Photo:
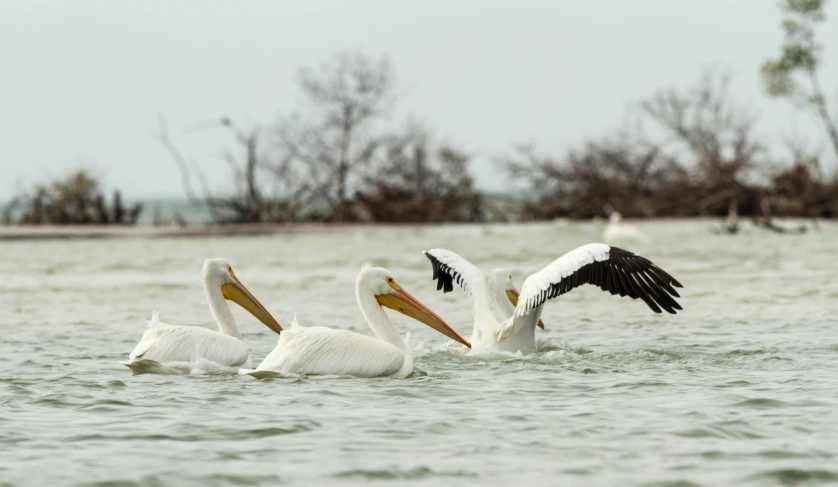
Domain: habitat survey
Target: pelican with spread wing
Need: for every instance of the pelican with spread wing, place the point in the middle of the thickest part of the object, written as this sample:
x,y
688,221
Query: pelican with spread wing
x,y
166,344
498,327
318,350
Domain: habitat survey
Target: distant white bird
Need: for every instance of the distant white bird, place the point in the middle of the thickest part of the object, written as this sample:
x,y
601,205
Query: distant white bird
x,y
612,269
162,344
617,230
326,351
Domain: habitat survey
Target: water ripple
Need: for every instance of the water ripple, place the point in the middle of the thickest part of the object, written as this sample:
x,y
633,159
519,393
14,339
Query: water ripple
x,y
737,389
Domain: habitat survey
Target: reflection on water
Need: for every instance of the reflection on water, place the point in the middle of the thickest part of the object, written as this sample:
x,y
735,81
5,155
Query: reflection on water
x,y
739,388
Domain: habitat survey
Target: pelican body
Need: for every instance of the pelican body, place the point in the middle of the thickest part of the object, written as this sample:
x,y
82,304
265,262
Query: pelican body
x,y
508,325
320,350
164,344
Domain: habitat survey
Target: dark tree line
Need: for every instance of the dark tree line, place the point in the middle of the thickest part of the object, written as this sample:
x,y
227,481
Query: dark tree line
x,y
702,156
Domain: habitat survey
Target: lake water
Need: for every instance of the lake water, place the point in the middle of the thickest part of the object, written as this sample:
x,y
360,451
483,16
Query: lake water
x,y
740,388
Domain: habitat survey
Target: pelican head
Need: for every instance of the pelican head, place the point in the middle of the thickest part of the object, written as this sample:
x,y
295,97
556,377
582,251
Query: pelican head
x,y
502,280
218,274
379,282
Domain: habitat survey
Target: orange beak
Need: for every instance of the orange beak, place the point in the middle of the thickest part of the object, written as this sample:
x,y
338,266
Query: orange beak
x,y
407,305
237,293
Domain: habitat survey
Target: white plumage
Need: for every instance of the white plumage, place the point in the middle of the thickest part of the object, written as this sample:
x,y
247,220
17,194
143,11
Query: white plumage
x,y
318,350
561,268
612,269
170,343
326,351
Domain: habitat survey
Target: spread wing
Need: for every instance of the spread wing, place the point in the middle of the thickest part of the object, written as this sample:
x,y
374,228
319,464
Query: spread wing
x,y
614,270
450,267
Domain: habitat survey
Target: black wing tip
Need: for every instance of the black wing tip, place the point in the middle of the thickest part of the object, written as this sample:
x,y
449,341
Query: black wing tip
x,y
445,281
672,307
651,304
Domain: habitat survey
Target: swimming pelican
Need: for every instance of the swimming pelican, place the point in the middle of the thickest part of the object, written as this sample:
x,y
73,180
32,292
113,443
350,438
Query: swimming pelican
x,y
612,269
617,230
325,351
163,343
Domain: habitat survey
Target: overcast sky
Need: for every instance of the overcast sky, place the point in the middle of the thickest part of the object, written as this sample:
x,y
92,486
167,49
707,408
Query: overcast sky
x,y
83,81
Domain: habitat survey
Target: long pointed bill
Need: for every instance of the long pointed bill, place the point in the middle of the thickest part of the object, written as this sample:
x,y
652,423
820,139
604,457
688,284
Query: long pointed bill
x,y
407,305
237,293
512,294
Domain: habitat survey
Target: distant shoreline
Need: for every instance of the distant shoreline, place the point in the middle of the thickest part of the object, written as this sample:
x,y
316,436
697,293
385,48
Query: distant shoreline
x,y
58,232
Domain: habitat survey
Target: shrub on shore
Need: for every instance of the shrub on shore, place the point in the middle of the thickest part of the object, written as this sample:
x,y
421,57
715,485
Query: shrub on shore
x,y
76,199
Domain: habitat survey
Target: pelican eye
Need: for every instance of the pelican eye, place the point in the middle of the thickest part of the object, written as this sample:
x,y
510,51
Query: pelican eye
x,y
391,282
230,270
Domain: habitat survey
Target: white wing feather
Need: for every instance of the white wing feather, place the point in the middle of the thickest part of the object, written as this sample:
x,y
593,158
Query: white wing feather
x,y
540,282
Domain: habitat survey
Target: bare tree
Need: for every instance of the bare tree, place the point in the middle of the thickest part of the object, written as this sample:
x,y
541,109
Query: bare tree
x,y
336,141
551,190
415,180
704,126
702,155
622,172
251,173
162,136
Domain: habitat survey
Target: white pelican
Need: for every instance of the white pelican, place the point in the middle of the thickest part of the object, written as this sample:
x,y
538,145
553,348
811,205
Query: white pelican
x,y
617,231
495,328
162,344
319,350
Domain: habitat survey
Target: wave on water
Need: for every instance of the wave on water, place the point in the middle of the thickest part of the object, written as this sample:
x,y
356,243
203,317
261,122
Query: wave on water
x,y
455,349
585,358
416,473
797,476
